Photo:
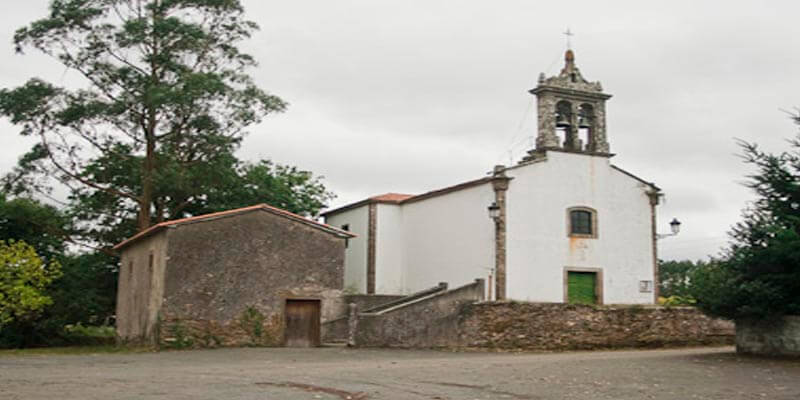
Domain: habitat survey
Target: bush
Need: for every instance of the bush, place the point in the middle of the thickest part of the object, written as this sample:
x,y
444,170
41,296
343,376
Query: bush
x,y
81,335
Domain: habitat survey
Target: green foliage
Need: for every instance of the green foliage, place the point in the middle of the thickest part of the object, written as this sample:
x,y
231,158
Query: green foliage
x,y
86,291
24,277
166,90
222,183
179,336
674,277
675,300
252,321
759,276
39,225
83,335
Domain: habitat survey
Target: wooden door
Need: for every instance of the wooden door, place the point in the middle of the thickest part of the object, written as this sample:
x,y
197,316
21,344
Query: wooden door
x,y
302,323
582,287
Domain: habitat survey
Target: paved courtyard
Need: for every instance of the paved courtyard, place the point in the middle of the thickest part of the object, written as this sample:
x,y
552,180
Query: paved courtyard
x,y
340,373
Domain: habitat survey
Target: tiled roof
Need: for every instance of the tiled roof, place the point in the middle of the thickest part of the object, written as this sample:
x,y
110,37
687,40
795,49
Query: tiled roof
x,y
222,214
398,198
392,197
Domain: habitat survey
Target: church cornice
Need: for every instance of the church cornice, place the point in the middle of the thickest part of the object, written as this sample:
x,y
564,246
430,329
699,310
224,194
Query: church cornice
x,y
575,94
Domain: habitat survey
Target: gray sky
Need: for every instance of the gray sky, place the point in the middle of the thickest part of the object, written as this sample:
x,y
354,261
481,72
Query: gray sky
x,y
409,96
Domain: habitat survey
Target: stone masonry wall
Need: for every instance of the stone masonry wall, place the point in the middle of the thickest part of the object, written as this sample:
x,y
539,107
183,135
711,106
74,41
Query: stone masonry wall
x,y
336,330
367,301
772,338
227,280
555,326
140,290
426,323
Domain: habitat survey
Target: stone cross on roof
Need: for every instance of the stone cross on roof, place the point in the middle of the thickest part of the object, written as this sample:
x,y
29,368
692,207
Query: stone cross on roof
x,y
568,33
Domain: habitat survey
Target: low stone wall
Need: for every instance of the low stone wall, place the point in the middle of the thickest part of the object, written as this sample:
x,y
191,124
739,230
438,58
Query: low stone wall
x,y
251,329
426,322
780,337
554,326
336,330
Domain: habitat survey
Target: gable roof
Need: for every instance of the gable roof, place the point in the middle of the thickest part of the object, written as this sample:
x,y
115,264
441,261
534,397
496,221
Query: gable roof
x,y
651,184
229,213
400,199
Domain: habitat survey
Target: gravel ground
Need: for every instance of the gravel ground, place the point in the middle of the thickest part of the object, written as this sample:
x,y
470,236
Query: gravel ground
x,y
340,373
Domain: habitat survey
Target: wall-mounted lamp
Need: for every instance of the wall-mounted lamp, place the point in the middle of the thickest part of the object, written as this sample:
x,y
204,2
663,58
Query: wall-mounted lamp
x,y
674,226
494,211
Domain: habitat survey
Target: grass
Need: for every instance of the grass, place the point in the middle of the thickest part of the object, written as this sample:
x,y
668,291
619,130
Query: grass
x,y
74,350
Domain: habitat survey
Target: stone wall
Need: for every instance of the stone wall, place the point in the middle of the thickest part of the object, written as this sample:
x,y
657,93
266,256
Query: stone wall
x,y
140,289
555,326
336,330
227,280
780,337
366,301
426,322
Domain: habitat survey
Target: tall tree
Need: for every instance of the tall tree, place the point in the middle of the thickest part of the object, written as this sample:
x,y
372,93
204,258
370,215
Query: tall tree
x,y
759,276
165,93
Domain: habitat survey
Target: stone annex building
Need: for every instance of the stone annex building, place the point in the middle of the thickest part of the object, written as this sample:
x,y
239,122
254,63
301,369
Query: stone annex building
x,y
251,276
566,226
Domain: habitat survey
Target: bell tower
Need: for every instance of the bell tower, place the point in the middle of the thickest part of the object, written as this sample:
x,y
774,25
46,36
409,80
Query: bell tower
x,y
571,113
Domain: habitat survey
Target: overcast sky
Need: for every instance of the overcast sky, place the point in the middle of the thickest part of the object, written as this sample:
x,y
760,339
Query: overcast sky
x,y
409,96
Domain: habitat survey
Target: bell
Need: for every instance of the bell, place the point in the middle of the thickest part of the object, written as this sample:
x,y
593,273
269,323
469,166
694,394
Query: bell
x,y
561,121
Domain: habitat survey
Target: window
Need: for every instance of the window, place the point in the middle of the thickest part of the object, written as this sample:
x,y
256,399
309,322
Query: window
x,y
582,222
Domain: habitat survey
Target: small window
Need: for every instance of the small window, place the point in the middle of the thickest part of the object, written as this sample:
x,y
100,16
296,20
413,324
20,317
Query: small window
x,y
582,222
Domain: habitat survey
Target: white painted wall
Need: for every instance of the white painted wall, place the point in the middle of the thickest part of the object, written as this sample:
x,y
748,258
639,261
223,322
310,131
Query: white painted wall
x,y
389,254
539,248
448,238
355,256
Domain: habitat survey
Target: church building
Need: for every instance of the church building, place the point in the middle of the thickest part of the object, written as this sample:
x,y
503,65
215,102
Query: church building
x,y
562,225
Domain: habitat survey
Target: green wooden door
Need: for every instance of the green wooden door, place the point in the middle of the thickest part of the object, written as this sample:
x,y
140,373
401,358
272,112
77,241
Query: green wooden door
x,y
581,287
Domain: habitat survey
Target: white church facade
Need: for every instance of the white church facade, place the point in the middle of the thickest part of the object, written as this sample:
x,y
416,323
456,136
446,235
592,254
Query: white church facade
x,y
563,225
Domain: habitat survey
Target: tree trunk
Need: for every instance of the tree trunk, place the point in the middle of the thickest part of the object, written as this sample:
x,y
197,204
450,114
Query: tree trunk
x,y
149,165
146,199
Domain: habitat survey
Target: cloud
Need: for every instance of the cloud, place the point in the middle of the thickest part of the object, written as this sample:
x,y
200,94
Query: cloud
x,y
409,96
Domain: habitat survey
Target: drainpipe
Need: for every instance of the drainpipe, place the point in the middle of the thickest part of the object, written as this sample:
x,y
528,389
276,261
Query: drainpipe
x,y
500,186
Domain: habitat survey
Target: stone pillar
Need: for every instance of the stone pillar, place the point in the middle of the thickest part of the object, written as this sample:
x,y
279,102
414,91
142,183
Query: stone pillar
x,y
599,136
546,137
372,233
572,141
654,197
500,186
352,324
